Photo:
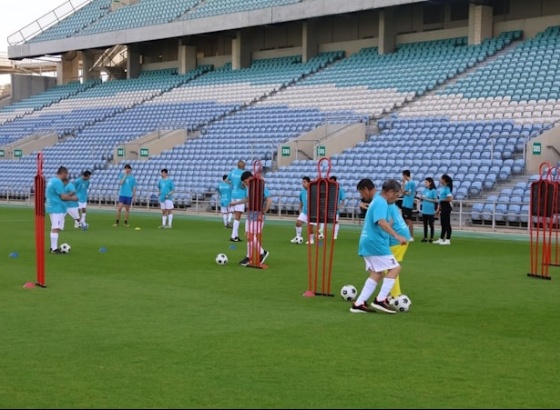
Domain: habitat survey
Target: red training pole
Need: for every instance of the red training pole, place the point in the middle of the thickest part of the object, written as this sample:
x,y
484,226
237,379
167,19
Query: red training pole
x,y
40,222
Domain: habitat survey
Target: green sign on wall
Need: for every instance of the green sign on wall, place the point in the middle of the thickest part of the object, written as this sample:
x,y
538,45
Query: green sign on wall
x,y
18,153
537,148
321,151
286,151
2,153
144,152
120,152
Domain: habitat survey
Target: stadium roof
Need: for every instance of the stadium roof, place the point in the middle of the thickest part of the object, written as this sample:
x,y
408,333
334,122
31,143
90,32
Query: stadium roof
x,y
300,11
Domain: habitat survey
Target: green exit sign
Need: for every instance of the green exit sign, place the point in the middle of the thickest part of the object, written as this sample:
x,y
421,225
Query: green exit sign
x,y
120,152
18,153
321,151
537,148
144,152
2,153
286,151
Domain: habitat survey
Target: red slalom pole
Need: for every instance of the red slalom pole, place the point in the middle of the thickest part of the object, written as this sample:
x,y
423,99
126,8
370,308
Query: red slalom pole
x,y
40,222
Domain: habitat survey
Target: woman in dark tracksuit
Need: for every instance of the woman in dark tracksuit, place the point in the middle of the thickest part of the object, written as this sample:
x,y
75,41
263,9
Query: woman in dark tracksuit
x,y
445,208
429,202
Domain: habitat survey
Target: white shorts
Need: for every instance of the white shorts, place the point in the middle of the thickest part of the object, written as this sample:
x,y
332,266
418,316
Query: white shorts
x,y
57,221
302,217
166,205
226,209
82,205
380,263
74,213
253,225
239,208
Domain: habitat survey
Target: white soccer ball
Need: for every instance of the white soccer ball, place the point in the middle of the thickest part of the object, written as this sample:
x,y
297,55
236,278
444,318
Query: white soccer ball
x,y
221,259
402,303
85,226
320,236
65,248
299,240
348,293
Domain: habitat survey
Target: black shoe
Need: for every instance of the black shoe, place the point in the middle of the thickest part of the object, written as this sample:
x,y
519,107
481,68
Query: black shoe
x,y
363,308
56,251
431,241
382,306
424,240
245,261
264,255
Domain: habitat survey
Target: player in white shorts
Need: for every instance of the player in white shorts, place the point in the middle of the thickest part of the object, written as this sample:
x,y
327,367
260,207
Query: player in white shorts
x,y
224,191
374,246
72,207
238,193
166,188
303,216
82,185
56,205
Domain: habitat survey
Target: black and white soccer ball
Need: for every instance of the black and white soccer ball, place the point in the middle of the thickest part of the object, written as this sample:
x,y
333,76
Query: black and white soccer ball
x,y
221,259
65,248
401,303
348,293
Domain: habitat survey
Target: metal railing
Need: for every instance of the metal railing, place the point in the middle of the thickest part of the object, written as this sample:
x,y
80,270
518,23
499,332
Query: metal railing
x,y
206,204
46,21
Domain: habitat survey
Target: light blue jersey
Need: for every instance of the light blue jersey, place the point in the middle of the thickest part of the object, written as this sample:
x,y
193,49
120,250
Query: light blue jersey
x,y
127,188
224,189
70,189
81,189
341,199
374,240
429,208
398,224
55,204
444,193
408,200
238,192
165,186
304,201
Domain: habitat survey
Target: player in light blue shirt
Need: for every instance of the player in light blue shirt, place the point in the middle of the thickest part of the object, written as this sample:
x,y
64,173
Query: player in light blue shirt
x,y
237,193
256,209
166,188
303,215
82,186
445,201
56,205
224,191
127,190
409,193
341,202
429,202
72,207
374,245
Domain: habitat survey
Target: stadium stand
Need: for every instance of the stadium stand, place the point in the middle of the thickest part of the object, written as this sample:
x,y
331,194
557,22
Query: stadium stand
x,y
217,7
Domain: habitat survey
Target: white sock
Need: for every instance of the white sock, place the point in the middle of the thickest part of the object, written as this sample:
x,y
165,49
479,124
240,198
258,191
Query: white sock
x,y
249,245
367,291
54,241
299,229
170,219
225,217
336,227
83,218
163,220
388,284
321,228
230,217
235,230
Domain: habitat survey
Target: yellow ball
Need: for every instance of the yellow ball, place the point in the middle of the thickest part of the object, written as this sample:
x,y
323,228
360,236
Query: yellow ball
x,y
137,228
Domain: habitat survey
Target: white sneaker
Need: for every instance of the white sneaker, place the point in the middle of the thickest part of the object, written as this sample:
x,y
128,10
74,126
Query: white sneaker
x,y
76,225
446,242
438,242
295,240
310,242
411,240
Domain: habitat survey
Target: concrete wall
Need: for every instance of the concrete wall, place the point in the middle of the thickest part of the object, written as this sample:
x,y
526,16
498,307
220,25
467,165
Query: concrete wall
x,y
346,137
217,62
550,150
160,66
28,145
156,142
24,86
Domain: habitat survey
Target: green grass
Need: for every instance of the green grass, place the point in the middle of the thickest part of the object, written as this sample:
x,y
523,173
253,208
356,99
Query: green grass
x,y
154,322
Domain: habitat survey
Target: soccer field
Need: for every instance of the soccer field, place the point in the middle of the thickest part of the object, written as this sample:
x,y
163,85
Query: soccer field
x,y
155,322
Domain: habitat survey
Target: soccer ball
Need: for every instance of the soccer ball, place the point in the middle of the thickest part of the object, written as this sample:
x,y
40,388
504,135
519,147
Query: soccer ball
x,y
320,236
221,259
299,240
65,248
85,226
348,293
402,303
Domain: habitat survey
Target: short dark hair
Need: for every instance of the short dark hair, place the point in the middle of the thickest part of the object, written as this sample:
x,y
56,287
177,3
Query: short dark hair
x,y
365,183
165,170
431,182
333,178
61,170
86,173
406,173
391,185
246,175
224,177
306,179
127,166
